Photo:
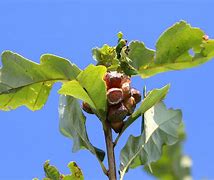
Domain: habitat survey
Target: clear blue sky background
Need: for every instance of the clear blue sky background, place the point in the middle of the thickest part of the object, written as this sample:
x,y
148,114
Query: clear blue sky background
x,y
70,29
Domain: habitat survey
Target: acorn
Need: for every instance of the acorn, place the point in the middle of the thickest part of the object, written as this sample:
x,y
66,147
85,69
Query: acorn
x,y
117,112
126,79
113,79
117,126
126,88
122,99
86,107
114,96
130,105
136,94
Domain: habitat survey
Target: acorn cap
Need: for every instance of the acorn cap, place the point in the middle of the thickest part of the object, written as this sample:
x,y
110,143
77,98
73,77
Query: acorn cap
x,y
126,88
114,96
113,79
86,107
130,105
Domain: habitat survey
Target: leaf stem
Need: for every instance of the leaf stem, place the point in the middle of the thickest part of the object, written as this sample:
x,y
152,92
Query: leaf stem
x,y
104,169
144,96
110,152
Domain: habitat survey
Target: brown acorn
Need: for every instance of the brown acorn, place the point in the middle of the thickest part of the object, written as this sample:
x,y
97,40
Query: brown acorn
x,y
126,88
136,94
113,79
126,79
117,112
130,105
86,107
117,126
114,96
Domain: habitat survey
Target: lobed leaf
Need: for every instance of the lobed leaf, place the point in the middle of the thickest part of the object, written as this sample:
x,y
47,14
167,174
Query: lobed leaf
x,y
72,125
23,82
173,164
140,55
179,47
160,127
76,173
51,172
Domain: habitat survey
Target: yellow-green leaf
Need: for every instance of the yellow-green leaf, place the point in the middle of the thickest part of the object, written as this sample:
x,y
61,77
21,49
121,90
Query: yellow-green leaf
x,y
179,47
89,87
23,82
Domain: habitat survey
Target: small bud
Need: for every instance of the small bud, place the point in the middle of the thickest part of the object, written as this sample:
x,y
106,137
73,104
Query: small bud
x,y
114,96
120,35
117,112
117,126
86,107
136,94
205,37
130,105
126,88
113,79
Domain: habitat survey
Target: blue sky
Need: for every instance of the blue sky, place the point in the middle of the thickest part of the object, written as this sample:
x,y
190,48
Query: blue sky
x,y
71,29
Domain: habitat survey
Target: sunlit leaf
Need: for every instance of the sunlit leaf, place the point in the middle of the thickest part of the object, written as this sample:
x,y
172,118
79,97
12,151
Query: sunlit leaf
x,y
89,87
23,82
51,171
106,56
76,173
179,47
140,55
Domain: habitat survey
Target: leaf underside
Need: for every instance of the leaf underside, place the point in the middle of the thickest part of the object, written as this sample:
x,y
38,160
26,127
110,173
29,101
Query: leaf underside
x,y
160,127
173,164
153,97
72,125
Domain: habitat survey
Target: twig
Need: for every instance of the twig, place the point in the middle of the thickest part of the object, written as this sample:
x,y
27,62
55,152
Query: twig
x,y
110,153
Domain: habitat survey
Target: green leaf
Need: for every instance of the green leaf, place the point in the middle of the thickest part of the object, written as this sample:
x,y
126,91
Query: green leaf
x,y
23,82
76,173
160,127
173,45
76,90
173,51
72,125
106,56
140,55
51,171
173,164
153,97
89,87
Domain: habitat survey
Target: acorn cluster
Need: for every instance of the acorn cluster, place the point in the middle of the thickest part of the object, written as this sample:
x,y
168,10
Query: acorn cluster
x,y
122,99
